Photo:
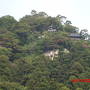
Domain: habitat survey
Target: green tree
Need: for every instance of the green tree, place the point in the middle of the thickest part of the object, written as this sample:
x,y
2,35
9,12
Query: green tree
x,y
11,86
7,22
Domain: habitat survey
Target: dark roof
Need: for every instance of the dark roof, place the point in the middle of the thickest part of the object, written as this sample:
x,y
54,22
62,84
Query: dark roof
x,y
75,35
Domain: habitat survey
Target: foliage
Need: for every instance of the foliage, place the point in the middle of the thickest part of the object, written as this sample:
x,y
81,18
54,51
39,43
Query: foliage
x,y
23,44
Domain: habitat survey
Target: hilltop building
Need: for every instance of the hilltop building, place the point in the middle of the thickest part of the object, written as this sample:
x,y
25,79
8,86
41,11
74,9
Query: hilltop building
x,y
75,36
52,29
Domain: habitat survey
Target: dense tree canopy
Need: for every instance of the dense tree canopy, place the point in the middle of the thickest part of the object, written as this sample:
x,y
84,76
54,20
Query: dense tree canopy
x,y
27,47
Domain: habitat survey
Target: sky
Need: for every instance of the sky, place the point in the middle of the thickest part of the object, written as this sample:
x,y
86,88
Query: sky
x,y
77,11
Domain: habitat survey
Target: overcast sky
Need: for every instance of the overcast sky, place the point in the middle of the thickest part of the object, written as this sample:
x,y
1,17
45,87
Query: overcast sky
x,y
77,11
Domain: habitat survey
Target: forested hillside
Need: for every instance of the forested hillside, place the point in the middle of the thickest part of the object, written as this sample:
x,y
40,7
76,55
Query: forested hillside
x,y
40,52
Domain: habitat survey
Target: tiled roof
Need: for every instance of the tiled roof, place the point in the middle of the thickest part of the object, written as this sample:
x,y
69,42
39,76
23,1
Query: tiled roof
x,y
75,35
